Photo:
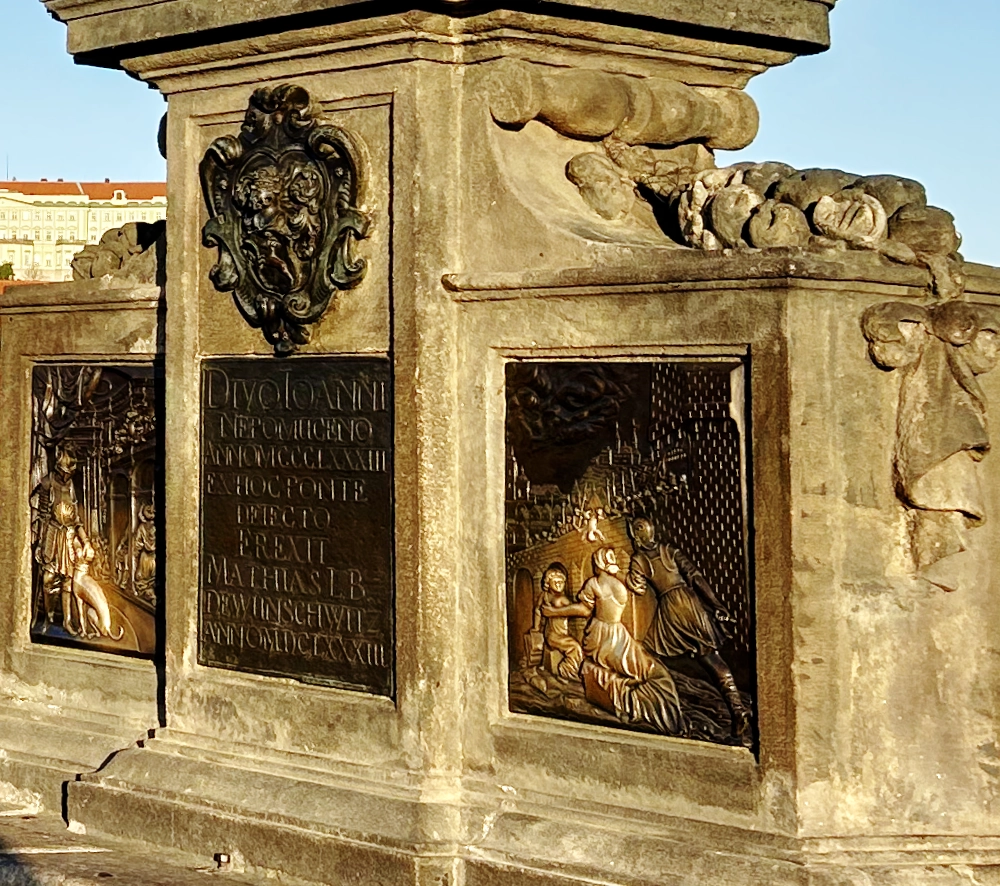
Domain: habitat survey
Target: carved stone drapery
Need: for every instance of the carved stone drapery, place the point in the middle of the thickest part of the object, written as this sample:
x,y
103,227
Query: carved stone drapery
x,y
136,251
589,104
941,427
282,199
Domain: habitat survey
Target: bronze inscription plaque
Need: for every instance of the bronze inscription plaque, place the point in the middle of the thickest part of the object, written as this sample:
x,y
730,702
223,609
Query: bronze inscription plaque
x,y
297,520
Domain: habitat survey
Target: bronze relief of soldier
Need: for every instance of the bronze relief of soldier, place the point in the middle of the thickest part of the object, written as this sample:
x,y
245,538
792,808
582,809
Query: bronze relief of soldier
x,y
689,617
616,472
53,528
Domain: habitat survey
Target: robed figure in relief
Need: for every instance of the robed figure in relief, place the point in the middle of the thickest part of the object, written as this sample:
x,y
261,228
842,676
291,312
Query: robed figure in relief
x,y
618,674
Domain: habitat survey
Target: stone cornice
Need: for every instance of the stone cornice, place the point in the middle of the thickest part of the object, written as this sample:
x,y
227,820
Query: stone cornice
x,y
678,269
104,32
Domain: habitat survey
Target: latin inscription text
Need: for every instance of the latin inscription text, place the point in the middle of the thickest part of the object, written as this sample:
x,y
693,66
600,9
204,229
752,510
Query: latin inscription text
x,y
296,561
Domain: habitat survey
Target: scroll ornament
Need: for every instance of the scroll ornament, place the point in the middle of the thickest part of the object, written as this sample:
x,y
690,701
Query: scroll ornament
x,y
282,200
941,424
652,140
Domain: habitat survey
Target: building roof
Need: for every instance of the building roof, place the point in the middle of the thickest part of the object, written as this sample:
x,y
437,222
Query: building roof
x,y
94,190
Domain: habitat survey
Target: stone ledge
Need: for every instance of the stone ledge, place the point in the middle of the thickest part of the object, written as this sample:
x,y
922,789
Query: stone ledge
x,y
102,293
39,850
104,32
676,269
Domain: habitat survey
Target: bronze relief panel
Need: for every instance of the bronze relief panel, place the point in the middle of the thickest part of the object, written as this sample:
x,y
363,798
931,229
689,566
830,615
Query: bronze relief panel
x,y
95,477
629,598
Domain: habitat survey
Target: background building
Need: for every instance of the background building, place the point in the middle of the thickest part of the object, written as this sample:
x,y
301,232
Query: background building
x,y
44,224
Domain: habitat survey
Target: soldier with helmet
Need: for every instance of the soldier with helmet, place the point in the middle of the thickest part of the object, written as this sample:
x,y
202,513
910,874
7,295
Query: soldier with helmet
x,y
687,616
54,504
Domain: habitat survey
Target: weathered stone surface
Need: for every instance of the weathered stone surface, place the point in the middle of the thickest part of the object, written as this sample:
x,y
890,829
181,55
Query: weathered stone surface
x,y
587,104
926,229
601,185
852,216
730,211
804,188
795,25
39,850
874,755
136,251
62,710
778,224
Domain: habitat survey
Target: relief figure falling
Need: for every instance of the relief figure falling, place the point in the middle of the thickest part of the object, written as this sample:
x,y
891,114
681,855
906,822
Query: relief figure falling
x,y
689,617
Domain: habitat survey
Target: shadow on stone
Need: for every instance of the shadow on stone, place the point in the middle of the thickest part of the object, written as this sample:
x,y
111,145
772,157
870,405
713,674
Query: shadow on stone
x,y
13,872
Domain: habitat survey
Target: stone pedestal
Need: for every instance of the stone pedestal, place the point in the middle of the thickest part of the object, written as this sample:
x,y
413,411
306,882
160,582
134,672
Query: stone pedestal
x,y
872,756
65,709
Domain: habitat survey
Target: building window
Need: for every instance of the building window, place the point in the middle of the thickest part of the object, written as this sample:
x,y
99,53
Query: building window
x,y
119,195
48,216
120,217
3,214
48,235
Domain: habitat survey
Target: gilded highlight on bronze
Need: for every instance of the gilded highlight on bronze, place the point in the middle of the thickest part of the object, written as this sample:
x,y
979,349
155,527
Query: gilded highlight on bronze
x,y
628,580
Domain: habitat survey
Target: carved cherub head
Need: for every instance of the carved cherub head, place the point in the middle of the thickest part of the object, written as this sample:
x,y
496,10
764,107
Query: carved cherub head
x,y
601,185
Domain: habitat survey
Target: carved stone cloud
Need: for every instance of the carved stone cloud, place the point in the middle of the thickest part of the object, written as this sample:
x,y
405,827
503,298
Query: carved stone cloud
x,y
654,140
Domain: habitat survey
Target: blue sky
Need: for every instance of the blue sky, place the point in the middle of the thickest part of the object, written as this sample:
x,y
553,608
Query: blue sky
x,y
908,87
